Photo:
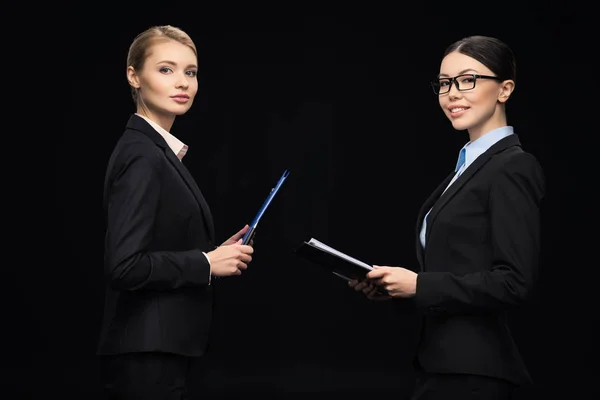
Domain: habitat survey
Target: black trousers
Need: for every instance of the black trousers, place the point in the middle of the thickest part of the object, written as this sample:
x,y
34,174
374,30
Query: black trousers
x,y
461,387
148,376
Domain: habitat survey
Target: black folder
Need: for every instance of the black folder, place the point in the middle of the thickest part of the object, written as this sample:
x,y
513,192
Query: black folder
x,y
340,264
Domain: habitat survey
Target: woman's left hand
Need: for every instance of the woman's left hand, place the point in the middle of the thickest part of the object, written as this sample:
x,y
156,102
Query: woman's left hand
x,y
233,239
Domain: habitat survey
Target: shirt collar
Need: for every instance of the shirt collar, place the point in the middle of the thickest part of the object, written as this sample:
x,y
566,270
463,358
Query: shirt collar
x,y
479,146
176,145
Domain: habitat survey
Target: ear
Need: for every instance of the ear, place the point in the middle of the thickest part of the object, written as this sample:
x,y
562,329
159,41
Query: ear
x,y
133,78
506,89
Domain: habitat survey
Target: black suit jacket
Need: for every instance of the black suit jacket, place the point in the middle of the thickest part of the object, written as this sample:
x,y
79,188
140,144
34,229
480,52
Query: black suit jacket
x,y
480,260
158,295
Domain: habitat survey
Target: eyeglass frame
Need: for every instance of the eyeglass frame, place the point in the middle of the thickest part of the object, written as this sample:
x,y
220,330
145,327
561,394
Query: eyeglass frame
x,y
454,80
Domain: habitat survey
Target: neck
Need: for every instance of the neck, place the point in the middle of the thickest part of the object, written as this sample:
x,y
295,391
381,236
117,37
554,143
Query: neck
x,y
497,120
165,121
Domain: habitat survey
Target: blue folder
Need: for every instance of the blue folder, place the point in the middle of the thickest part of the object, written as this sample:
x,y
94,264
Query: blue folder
x,y
250,233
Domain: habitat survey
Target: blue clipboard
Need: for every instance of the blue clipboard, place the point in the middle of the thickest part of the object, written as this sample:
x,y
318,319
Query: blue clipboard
x,y
250,233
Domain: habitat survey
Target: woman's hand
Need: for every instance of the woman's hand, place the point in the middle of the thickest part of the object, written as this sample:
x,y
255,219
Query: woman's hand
x,y
399,282
240,234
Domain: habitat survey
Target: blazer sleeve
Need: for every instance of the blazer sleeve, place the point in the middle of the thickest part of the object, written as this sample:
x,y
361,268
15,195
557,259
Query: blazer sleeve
x,y
132,203
514,211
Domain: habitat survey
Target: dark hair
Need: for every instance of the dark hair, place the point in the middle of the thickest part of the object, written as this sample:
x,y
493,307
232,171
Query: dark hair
x,y
491,52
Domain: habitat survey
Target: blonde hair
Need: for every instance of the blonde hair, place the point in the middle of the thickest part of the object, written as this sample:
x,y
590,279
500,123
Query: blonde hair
x,y
139,50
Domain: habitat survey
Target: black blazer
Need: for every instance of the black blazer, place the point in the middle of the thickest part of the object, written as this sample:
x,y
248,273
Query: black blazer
x,y
158,296
480,260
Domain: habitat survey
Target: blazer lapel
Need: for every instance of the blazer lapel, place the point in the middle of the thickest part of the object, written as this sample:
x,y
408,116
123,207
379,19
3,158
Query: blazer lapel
x,y
501,145
139,124
424,208
191,183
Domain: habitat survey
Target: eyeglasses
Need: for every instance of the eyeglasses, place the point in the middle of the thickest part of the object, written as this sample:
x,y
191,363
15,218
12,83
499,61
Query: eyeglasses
x,y
463,82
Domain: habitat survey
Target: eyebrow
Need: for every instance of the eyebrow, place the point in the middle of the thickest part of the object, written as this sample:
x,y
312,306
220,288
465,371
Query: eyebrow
x,y
175,64
460,73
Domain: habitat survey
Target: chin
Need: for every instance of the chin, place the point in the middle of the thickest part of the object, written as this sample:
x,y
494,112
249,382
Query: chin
x,y
180,110
460,125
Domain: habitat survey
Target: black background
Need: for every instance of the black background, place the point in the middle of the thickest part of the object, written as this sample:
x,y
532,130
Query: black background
x,y
341,99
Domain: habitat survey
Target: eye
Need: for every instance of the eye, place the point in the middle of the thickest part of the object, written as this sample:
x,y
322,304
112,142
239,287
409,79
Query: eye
x,y
165,70
192,73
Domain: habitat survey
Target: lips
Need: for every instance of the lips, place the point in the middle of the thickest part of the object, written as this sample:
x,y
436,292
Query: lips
x,y
181,98
457,111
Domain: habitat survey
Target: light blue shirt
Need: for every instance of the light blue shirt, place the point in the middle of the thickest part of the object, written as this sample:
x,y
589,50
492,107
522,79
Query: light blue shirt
x,y
472,151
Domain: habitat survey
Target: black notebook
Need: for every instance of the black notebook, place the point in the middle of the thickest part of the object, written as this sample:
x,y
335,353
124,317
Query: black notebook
x,y
340,264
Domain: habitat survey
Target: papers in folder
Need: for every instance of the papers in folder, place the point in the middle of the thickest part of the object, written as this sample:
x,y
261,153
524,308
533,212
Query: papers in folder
x,y
250,232
340,264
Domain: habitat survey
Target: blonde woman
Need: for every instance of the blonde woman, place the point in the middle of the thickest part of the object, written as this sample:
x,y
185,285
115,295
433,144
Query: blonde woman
x,y
160,252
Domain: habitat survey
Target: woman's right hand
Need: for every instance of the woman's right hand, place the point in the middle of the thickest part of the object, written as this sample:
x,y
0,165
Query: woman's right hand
x,y
230,260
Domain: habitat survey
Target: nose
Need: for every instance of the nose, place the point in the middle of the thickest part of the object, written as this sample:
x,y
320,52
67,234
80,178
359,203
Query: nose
x,y
182,82
453,92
